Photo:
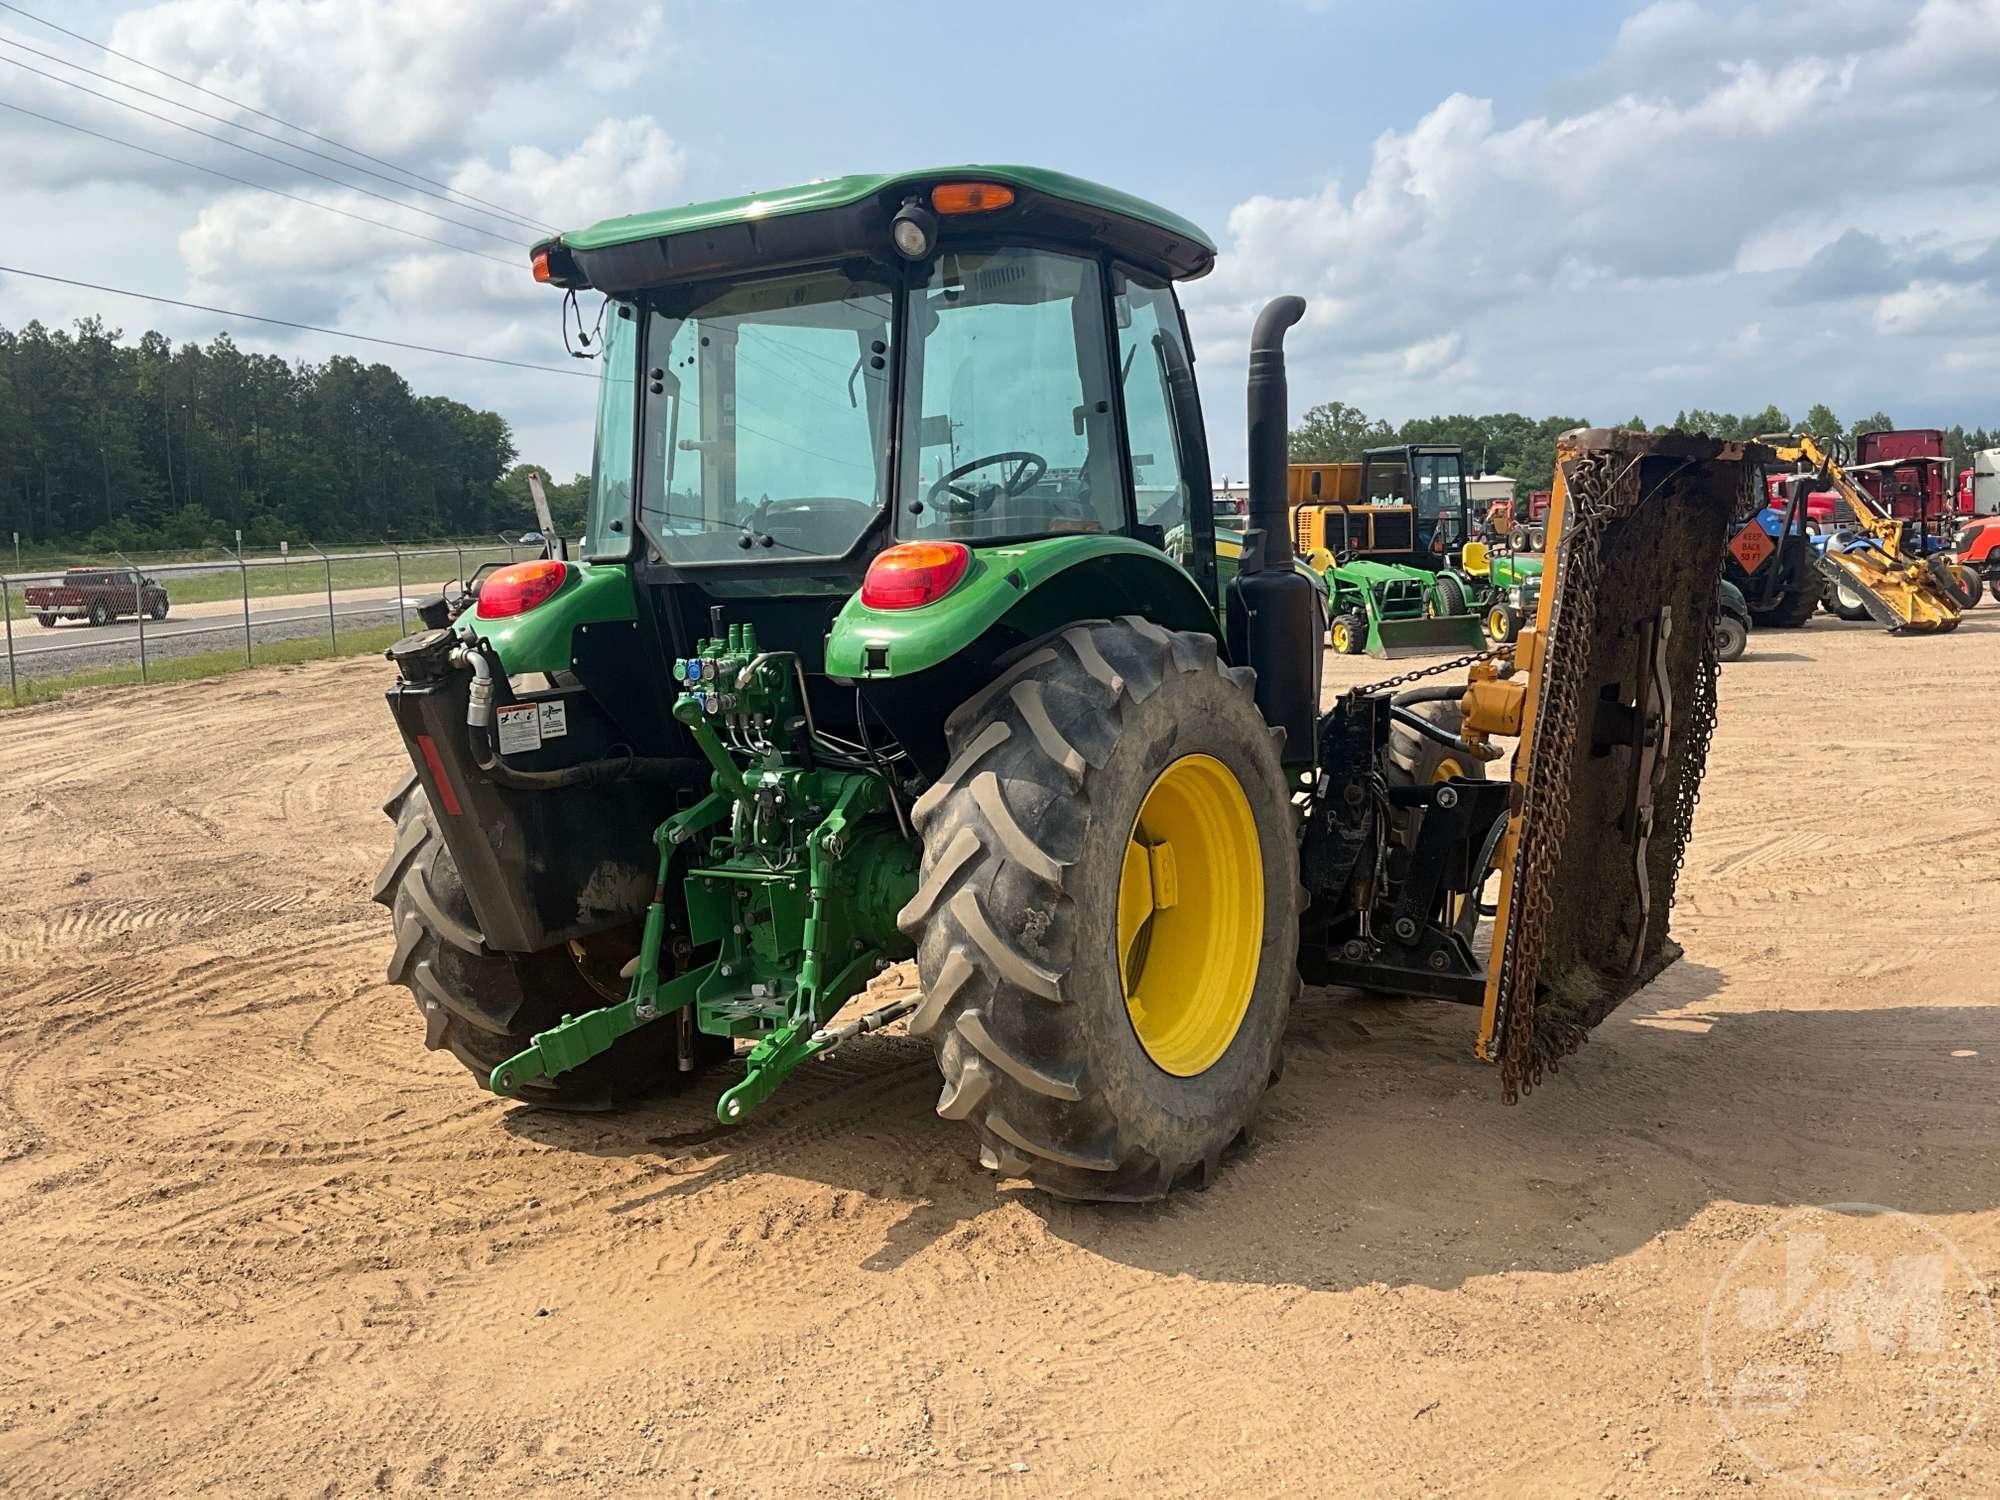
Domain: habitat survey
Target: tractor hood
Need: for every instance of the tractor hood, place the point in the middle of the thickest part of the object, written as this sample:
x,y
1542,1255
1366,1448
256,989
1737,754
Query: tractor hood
x,y
1508,570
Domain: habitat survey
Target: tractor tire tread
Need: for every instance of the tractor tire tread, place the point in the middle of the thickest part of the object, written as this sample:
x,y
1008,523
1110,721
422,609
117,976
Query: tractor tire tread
x,y
483,1007
1003,829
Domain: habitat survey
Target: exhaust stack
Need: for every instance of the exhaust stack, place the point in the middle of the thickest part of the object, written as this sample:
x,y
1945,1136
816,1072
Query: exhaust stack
x,y
1275,621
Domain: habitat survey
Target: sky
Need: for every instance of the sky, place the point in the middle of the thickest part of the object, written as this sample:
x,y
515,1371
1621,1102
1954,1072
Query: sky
x,y
1597,210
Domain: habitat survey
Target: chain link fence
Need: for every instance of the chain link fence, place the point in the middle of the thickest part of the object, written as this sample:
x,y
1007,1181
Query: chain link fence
x,y
105,621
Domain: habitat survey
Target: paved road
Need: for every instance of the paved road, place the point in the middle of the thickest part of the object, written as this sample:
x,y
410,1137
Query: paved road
x,y
78,647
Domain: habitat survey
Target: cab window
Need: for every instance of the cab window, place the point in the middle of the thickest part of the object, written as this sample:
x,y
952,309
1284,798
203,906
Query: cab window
x,y
1388,483
1440,484
1007,424
766,417
1150,357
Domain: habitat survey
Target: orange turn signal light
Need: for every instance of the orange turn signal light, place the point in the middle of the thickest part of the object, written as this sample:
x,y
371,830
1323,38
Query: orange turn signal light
x,y
913,574
540,261
970,197
519,587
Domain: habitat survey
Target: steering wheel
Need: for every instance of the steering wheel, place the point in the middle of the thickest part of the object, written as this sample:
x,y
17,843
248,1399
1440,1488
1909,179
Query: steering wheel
x,y
1026,474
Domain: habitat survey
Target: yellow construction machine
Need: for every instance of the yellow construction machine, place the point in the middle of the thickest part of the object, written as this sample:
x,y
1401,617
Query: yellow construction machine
x,y
1904,594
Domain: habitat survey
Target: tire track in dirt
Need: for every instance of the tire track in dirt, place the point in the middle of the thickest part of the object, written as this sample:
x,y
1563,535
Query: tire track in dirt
x,y
250,1230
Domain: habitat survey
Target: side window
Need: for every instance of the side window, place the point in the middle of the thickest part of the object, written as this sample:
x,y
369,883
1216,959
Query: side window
x,y
1388,484
1438,484
1008,429
1151,357
606,526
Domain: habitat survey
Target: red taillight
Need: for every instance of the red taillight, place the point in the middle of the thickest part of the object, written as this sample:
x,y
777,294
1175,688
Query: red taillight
x,y
913,574
518,588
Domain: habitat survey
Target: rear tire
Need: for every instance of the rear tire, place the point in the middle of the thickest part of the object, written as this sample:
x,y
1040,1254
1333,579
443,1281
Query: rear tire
x,y
1349,634
1518,539
1970,584
1731,638
482,1006
1844,600
47,622
1950,581
100,613
1795,610
1027,849
1450,595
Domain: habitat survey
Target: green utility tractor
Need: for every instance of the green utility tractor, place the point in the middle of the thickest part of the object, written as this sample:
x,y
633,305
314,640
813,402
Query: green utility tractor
x,y
1504,587
1386,534
871,650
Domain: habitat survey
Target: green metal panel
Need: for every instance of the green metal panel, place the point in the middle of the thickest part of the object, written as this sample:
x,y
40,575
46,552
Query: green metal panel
x,y
843,192
539,641
1000,581
1508,570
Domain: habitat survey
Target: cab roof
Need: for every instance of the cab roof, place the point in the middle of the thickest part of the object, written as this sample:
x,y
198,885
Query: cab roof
x,y
851,215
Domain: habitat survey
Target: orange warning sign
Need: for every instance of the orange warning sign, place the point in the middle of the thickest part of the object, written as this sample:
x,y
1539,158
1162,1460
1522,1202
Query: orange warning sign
x,y
1751,546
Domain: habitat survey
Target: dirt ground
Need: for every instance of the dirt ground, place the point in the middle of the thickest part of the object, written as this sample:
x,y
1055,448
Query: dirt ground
x,y
255,1240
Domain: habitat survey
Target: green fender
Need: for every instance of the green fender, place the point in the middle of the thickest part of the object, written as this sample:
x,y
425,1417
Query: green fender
x,y
539,641
1034,588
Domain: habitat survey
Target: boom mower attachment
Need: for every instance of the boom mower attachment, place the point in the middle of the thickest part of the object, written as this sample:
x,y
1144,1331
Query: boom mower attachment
x,y
1900,591
1616,703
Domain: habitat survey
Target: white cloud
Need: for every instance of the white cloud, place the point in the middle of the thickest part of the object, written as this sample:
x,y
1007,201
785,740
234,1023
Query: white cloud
x,y
391,76
619,164
1934,307
1706,229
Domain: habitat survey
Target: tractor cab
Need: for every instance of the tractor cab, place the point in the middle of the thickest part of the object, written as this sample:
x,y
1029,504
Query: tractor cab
x,y
1387,535
1430,479
1404,504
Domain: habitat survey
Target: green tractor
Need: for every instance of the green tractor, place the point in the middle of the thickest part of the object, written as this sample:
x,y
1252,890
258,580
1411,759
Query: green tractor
x,y
1504,586
1386,534
871,650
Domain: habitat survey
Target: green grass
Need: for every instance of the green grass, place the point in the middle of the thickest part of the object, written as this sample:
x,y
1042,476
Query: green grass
x,y
207,664
307,575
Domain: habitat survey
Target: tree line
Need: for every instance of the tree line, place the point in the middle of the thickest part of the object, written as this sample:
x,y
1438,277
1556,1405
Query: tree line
x,y
105,444
1524,448
143,446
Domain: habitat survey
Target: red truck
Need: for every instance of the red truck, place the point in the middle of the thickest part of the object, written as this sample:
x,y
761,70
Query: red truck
x,y
99,595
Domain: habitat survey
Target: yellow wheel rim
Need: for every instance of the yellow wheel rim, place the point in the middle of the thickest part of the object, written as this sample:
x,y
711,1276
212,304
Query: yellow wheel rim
x,y
1190,915
1496,624
1340,636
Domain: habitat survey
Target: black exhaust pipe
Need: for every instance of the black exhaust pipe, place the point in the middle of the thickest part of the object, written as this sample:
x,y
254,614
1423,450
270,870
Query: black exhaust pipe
x,y
1269,400
1275,623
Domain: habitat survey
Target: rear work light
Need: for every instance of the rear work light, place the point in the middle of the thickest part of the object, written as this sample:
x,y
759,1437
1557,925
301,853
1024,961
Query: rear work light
x,y
913,574
518,588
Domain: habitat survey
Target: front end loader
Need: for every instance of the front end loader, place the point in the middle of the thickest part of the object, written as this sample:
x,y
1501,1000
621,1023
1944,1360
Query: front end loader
x,y
872,650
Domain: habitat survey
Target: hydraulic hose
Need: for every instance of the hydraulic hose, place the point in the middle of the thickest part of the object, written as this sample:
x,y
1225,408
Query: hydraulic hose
x,y
1444,737
1433,692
